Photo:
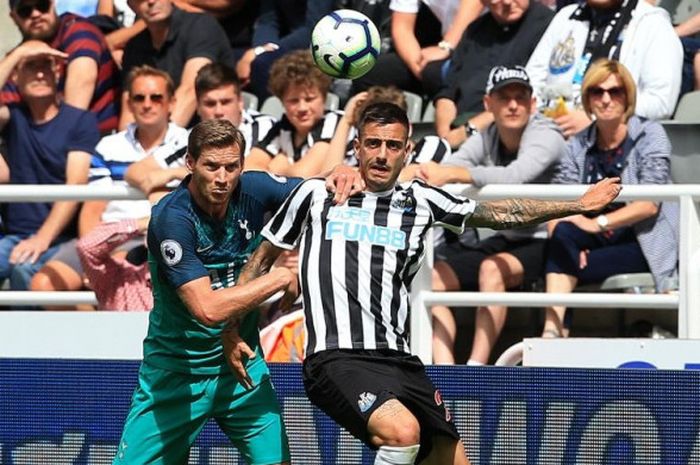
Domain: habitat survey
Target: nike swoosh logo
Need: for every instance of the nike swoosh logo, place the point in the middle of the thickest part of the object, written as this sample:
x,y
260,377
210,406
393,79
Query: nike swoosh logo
x,y
204,249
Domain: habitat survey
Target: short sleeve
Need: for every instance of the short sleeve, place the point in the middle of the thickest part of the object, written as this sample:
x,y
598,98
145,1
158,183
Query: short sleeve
x,y
431,148
171,241
289,222
85,134
206,38
405,6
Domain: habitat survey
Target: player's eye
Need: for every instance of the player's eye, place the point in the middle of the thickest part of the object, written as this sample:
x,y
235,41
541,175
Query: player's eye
x,y
395,145
373,143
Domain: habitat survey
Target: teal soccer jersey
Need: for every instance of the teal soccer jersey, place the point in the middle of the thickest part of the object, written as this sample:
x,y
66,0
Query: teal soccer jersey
x,y
185,244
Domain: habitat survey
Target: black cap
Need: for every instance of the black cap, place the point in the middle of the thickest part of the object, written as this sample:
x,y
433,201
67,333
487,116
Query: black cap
x,y
503,75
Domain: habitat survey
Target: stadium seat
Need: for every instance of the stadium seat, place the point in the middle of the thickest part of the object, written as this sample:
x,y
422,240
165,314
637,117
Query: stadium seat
x,y
332,101
250,101
429,114
414,103
688,110
273,106
685,152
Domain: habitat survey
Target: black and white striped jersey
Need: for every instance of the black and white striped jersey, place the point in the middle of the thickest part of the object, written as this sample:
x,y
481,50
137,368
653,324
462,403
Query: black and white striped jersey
x,y
280,138
357,260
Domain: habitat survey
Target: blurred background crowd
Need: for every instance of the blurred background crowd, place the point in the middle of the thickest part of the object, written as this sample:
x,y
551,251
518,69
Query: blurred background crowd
x,y
103,92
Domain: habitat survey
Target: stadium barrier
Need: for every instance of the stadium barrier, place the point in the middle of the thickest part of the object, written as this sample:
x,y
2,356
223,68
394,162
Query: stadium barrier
x,y
66,378
688,296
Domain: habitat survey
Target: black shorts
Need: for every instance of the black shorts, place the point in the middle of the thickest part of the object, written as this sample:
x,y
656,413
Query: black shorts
x,y
465,261
348,385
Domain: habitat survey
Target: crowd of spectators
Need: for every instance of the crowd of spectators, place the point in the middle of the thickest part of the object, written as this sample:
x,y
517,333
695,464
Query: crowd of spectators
x,y
103,92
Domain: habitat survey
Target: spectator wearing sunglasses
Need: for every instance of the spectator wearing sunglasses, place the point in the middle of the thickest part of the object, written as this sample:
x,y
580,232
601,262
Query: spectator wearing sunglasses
x,y
48,142
632,32
626,237
90,79
151,99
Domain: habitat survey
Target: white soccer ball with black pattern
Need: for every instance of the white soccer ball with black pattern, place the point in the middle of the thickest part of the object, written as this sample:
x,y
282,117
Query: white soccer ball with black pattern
x,y
345,44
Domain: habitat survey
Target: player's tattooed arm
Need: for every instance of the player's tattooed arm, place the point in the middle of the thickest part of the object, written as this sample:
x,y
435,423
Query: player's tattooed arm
x,y
513,213
259,262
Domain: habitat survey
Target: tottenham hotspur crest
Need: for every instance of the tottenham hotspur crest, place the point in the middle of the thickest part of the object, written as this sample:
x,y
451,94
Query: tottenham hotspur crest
x,y
243,224
366,401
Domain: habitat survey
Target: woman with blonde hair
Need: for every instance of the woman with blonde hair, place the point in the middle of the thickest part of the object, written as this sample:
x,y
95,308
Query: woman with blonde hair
x,y
627,237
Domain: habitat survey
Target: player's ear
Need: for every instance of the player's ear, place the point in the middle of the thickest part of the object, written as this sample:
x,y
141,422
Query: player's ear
x,y
409,152
189,162
356,147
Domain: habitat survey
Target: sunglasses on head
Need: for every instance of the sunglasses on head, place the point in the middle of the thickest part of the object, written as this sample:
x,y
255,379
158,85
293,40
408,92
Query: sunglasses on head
x,y
25,10
140,98
613,92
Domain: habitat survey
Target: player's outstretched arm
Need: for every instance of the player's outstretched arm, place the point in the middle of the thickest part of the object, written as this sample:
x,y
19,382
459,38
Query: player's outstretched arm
x,y
215,307
514,213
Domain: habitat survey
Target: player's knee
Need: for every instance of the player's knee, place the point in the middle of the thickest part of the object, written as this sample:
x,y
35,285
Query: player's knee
x,y
403,431
393,455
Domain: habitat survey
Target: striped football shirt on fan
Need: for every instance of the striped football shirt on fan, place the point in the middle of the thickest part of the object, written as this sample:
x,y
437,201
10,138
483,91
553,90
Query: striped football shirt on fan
x,y
357,260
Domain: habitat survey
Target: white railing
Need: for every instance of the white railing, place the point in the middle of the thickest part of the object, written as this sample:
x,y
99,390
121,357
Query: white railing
x,y
687,298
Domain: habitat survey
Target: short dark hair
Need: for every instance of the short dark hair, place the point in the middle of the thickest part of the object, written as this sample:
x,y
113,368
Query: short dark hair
x,y
213,76
215,133
145,70
383,113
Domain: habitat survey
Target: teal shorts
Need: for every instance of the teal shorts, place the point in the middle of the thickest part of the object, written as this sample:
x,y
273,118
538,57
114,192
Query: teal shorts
x,y
168,410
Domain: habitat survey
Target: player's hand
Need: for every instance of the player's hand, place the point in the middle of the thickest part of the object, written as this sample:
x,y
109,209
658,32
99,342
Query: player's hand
x,y
600,194
237,354
344,182
28,250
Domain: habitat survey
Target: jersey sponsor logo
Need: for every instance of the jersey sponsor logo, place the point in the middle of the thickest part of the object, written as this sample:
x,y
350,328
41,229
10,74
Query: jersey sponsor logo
x,y
356,214
376,235
171,251
366,401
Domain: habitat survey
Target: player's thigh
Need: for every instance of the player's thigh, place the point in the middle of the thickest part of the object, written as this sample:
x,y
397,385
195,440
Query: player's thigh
x,y
253,422
168,410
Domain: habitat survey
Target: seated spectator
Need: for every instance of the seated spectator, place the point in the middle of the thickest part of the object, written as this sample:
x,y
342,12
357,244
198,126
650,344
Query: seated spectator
x,y
218,95
687,31
305,127
150,100
121,283
632,31
179,43
90,80
521,146
122,23
506,35
48,142
282,26
631,237
424,34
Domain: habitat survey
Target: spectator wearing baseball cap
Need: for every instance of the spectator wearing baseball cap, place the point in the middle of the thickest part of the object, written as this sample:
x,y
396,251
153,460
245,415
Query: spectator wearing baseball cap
x,y
520,146
89,78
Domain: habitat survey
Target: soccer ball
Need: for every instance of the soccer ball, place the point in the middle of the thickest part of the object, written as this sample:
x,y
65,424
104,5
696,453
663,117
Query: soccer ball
x,y
345,44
